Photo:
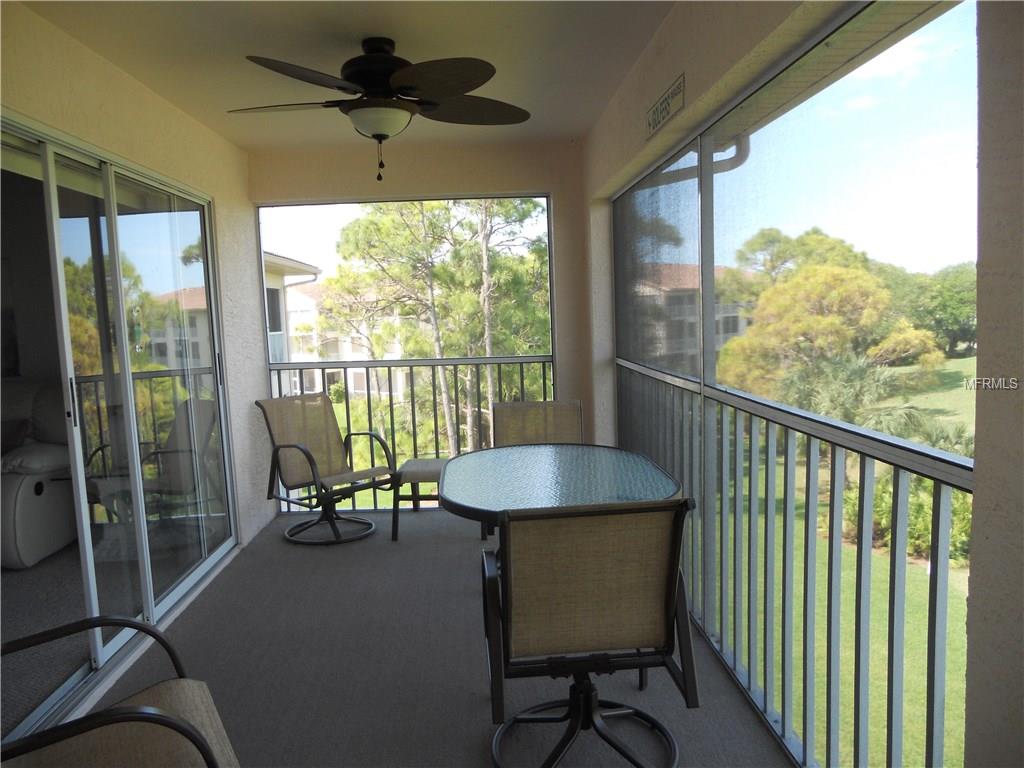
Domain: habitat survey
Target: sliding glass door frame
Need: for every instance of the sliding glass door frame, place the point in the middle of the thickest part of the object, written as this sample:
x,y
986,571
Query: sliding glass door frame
x,y
51,146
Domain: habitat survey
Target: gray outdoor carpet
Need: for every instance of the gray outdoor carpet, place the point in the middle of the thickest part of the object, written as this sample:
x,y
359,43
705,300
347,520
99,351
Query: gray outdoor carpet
x,y
372,654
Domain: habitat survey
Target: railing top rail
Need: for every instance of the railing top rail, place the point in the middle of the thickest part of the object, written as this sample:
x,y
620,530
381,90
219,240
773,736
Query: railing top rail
x,y
412,362
949,468
162,373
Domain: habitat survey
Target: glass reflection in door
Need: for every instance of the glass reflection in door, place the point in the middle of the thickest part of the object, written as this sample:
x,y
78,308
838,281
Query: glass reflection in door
x,y
163,257
91,313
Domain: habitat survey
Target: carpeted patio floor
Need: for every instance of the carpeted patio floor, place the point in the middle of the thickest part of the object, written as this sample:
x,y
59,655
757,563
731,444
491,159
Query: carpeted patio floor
x,y
372,654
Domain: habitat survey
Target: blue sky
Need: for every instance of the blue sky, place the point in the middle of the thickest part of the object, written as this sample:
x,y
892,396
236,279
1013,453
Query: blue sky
x,y
884,158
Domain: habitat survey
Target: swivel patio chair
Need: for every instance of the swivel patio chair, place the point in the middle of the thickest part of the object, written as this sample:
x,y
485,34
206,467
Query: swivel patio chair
x,y
173,722
309,453
529,423
583,591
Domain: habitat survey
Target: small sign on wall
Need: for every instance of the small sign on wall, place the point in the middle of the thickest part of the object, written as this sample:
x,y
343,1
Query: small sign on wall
x,y
667,105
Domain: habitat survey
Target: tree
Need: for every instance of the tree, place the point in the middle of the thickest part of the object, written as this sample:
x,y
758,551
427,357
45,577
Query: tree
x,y
449,278
905,344
819,313
950,308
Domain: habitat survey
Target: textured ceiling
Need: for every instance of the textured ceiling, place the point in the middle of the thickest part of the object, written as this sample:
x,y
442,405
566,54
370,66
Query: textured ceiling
x,y
558,60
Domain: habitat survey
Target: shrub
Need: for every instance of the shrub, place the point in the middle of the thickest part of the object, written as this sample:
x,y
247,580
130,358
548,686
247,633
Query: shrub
x,y
919,523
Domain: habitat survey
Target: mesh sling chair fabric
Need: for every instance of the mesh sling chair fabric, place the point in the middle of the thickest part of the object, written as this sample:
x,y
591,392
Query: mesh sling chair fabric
x,y
172,723
310,453
587,591
523,423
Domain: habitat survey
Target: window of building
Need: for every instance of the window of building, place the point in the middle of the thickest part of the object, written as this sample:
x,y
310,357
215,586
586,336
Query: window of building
x,y
274,319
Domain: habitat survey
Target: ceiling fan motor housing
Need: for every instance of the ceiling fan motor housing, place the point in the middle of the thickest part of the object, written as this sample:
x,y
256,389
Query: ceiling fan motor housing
x,y
374,68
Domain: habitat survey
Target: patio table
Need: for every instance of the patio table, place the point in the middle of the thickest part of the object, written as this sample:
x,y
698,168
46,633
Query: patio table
x,y
489,484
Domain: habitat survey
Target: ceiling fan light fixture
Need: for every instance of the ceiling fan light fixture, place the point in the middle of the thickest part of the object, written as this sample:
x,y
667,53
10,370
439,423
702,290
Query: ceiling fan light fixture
x,y
379,118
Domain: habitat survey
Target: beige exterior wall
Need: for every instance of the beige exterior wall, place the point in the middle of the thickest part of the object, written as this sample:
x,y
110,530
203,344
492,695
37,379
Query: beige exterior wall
x,y
51,78
995,610
433,171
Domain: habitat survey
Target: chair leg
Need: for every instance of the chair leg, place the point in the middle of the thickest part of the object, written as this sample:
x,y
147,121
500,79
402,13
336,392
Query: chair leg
x,y
329,515
416,496
492,633
688,668
395,499
643,678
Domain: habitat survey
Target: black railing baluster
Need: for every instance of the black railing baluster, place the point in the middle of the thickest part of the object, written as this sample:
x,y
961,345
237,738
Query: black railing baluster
x,y
522,383
348,416
458,427
391,409
369,422
479,412
437,430
412,413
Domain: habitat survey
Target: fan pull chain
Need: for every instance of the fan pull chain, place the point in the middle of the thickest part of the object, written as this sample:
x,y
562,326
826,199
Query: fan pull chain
x,y
380,159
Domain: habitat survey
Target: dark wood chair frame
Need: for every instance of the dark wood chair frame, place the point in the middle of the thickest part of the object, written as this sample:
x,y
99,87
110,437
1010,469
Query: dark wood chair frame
x,y
112,715
583,705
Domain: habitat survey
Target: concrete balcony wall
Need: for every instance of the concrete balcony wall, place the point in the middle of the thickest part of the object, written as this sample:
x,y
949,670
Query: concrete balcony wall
x,y
320,174
995,611
52,79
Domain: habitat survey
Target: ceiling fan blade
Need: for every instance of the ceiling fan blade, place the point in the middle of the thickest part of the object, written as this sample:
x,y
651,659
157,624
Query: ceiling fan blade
x,y
288,107
474,110
306,75
441,78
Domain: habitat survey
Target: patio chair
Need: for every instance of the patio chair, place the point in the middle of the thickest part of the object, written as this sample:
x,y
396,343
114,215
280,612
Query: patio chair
x,y
583,591
170,481
523,423
310,453
174,722
414,472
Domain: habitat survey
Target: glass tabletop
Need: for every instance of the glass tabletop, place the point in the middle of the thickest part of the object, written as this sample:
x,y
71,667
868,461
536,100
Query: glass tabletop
x,y
486,484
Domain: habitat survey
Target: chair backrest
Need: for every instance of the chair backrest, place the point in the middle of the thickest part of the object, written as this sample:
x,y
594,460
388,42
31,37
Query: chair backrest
x,y
181,454
587,581
309,421
523,423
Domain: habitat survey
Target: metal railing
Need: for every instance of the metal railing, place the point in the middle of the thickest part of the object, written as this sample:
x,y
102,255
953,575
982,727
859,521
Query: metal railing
x,y
157,396
421,407
785,498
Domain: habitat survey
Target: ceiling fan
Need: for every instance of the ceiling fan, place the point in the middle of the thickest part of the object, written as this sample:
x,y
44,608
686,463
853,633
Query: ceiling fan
x,y
390,91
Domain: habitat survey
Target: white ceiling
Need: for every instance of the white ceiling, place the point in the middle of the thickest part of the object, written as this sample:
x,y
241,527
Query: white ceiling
x,y
558,60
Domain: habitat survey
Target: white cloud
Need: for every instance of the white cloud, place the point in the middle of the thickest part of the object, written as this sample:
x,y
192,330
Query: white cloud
x,y
858,103
904,61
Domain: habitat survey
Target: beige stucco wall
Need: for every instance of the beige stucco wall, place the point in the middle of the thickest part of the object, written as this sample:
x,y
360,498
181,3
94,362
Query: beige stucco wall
x,y
53,79
413,170
995,609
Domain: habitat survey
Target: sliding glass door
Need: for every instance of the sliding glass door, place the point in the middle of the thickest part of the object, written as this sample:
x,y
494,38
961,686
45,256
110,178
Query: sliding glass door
x,y
162,254
132,336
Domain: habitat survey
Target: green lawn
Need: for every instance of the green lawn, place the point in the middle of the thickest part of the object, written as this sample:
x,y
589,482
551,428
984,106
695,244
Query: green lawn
x,y
915,651
940,393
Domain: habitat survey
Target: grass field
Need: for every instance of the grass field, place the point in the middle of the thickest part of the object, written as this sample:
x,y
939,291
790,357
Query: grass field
x,y
940,393
914,652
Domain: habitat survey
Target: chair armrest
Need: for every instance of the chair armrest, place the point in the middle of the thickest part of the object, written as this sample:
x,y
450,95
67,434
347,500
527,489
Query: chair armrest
x,y
372,436
107,717
275,472
49,635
